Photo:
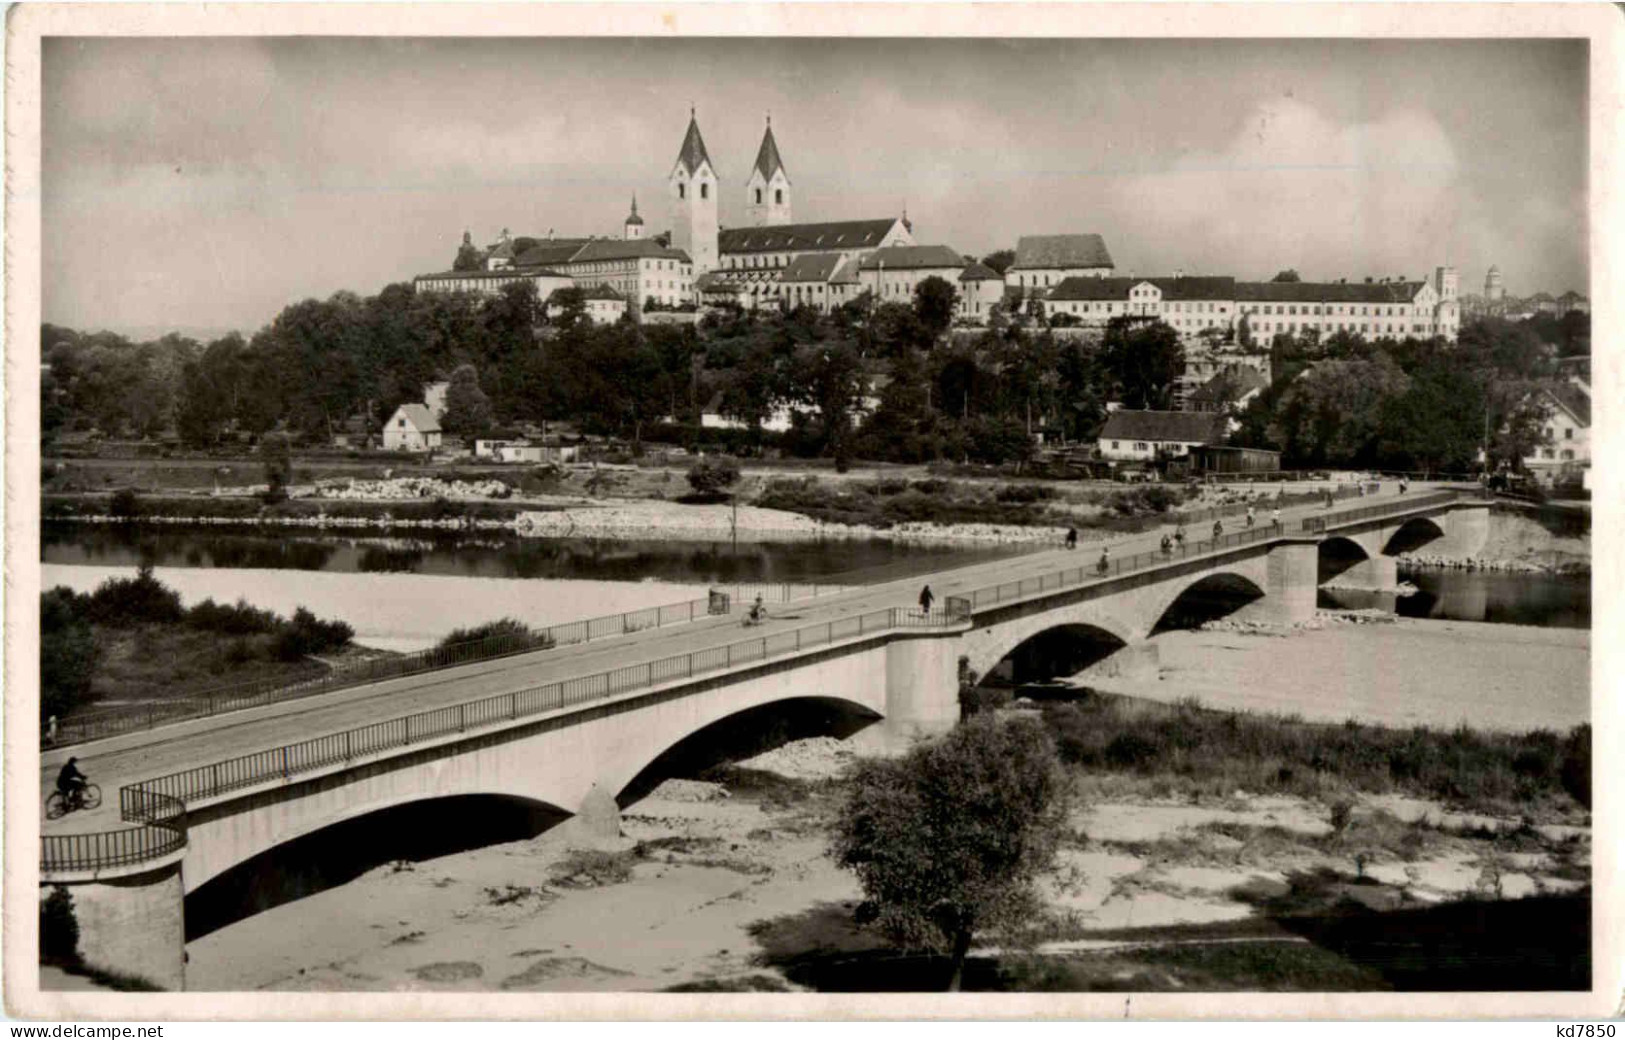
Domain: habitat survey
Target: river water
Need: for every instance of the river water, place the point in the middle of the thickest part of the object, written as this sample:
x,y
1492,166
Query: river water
x,y
407,592
1546,600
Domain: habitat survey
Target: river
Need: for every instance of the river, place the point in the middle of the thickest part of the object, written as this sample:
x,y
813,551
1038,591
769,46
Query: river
x,y
1545,600
406,592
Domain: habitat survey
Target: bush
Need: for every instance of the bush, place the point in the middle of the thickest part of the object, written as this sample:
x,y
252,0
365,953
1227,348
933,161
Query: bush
x,y
1025,494
977,700
124,505
69,653
123,601
505,628
711,476
238,620
58,928
306,635
1575,771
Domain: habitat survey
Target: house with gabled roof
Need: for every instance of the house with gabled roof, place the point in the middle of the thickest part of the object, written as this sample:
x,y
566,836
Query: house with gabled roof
x,y
1144,436
980,289
413,427
1567,430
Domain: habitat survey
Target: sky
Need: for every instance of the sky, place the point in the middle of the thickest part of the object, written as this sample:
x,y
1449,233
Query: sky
x,y
208,183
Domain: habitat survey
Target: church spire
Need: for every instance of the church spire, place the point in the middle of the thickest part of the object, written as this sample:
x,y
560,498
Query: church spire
x,y
693,154
767,156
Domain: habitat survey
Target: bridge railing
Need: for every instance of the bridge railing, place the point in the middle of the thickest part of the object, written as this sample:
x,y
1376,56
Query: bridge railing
x,y
1404,504
159,804
1113,567
271,691
1342,491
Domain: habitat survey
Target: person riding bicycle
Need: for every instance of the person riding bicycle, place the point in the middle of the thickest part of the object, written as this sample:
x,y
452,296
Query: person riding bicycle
x,y
1218,528
758,612
1275,518
1167,545
1104,561
1250,518
71,783
1071,537
1179,536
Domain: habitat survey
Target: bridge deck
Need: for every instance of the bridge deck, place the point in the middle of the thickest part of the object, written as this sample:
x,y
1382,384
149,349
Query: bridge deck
x,y
211,739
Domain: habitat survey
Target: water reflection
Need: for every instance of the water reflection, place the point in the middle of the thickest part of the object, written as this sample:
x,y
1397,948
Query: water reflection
x,y
1552,601
483,555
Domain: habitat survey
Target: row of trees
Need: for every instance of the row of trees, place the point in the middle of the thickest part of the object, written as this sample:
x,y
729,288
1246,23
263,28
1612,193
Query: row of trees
x,y
1404,404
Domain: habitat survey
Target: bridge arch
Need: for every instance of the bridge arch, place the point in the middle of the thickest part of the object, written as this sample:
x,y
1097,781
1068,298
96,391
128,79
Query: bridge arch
x,y
1208,598
984,648
742,734
1413,534
323,852
1339,553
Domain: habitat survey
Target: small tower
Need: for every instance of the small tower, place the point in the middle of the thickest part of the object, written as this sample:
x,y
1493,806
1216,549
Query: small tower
x,y
634,223
1494,291
692,189
767,195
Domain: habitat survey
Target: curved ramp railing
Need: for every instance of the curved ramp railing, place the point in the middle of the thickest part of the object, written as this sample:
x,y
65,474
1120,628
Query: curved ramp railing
x,y
1320,524
162,832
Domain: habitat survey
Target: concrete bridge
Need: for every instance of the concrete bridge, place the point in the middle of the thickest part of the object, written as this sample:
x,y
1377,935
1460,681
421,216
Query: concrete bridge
x,y
571,728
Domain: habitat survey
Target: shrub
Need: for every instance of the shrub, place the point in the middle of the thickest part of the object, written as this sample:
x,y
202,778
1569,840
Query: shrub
x,y
1132,751
1575,771
58,928
306,634
976,700
237,620
124,505
69,653
1025,494
711,476
505,628
122,601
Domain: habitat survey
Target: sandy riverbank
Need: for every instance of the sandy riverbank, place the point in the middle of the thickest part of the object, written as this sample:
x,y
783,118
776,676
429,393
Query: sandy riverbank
x,y
403,612
1409,672
733,889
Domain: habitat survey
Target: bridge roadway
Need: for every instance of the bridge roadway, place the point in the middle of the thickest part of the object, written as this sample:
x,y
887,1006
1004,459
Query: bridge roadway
x,y
117,761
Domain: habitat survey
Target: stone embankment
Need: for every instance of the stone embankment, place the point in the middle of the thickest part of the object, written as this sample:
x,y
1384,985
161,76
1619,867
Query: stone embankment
x,y
1425,561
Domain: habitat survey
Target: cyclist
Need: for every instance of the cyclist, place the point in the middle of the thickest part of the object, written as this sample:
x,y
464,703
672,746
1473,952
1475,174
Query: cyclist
x,y
1071,537
1179,536
1167,545
758,612
1275,518
1218,529
1250,516
1105,560
71,783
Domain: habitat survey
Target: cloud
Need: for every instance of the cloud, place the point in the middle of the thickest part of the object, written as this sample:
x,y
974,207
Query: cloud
x,y
1293,188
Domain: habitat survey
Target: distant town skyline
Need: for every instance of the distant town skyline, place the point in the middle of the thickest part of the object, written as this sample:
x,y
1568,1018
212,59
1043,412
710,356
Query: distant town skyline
x,y
208,183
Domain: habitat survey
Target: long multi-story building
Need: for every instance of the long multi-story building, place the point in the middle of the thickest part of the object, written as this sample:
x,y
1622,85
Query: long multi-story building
x,y
1192,305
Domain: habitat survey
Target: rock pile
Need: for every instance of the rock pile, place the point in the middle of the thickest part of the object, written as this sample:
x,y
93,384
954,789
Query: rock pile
x,y
1428,561
678,790
816,758
413,487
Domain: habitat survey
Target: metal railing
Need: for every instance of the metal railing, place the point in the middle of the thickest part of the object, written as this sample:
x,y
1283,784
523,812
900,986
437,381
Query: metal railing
x,y
163,832
272,691
1403,504
159,804
1272,501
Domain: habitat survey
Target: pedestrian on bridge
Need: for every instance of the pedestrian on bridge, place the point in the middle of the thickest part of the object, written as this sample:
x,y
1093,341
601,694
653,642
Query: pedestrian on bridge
x,y
1275,518
1167,546
925,600
1218,529
1250,518
1403,484
1071,537
1105,560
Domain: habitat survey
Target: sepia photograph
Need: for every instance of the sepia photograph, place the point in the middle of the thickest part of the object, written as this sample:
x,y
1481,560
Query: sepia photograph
x,y
801,510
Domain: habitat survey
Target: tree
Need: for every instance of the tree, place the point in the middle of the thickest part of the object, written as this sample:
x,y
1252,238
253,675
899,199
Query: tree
x,y
711,477
1144,359
468,409
1288,275
829,377
934,302
949,840
68,653
276,449
1000,259
1331,414
468,257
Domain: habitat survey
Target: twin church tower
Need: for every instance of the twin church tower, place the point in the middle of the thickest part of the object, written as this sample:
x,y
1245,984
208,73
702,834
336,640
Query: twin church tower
x,y
693,186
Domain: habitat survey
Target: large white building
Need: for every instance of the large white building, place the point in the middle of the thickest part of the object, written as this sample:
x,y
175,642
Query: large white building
x,y
1193,305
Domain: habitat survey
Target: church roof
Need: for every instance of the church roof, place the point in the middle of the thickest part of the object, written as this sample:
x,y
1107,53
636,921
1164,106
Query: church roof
x,y
811,267
550,251
1048,251
980,273
836,236
846,274
903,258
620,249
692,155
767,156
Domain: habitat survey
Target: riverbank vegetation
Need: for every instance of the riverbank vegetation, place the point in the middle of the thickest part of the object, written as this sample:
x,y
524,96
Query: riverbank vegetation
x,y
131,640
1188,750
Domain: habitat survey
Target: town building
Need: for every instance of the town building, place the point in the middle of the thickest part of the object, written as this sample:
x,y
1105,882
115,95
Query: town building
x,y
1567,432
1190,305
980,289
893,273
1146,436
1495,289
413,427
1045,261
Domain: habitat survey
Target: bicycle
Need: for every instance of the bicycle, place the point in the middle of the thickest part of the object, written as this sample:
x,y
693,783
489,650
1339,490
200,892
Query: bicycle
x,y
58,805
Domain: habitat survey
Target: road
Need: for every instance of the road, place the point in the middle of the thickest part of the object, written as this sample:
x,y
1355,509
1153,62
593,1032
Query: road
x,y
129,758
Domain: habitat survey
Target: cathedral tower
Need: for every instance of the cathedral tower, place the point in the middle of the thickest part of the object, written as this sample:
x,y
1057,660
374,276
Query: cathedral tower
x,y
693,193
767,196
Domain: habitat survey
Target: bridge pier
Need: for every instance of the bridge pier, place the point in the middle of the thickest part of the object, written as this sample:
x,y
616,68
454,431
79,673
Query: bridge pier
x,y
1378,572
133,924
1292,575
1467,531
922,687
598,821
